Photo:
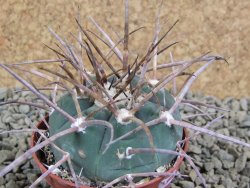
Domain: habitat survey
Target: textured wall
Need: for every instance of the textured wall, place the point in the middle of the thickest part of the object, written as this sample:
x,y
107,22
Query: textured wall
x,y
222,27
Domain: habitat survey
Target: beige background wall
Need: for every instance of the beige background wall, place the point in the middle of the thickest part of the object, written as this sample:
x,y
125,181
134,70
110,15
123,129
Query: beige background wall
x,y
220,26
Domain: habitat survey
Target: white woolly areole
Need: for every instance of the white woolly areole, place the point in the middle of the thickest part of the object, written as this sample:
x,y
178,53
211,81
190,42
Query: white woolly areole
x,y
99,104
123,114
77,124
90,73
124,155
166,114
140,98
112,92
83,96
161,169
120,155
51,110
124,98
127,153
129,177
153,81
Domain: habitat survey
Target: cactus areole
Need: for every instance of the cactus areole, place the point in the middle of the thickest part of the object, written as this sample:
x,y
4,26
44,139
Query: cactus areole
x,y
86,147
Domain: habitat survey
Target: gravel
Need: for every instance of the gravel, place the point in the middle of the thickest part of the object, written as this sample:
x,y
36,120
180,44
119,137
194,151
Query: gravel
x,y
13,145
222,164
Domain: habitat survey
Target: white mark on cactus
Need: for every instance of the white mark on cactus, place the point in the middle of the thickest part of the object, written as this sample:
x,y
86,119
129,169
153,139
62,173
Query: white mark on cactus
x,y
51,111
129,156
161,169
124,155
164,99
56,171
168,116
82,95
144,180
120,155
78,124
81,154
90,73
80,173
153,82
122,98
140,98
123,115
129,178
97,103
111,91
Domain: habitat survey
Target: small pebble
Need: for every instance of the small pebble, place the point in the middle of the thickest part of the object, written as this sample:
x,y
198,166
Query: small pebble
x,y
217,163
10,176
245,124
208,166
186,184
206,141
241,116
219,186
26,94
24,109
193,175
223,131
27,121
18,116
174,186
20,176
244,104
21,183
229,183
3,126
227,164
6,155
235,105
245,179
11,184
223,155
16,125
32,177
241,163
2,181
3,92
7,118
195,149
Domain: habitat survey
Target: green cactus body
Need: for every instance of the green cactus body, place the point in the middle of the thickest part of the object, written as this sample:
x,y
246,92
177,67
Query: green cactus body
x,y
86,149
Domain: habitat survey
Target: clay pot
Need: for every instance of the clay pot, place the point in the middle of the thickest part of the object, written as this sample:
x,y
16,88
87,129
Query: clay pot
x,y
57,182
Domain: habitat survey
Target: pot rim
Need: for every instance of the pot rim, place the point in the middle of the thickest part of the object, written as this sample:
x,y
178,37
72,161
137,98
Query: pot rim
x,y
175,167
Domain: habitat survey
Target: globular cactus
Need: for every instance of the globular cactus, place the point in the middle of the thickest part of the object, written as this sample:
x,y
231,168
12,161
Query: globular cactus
x,y
87,149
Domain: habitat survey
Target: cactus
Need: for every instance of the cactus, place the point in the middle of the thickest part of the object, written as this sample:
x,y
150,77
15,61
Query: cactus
x,y
86,149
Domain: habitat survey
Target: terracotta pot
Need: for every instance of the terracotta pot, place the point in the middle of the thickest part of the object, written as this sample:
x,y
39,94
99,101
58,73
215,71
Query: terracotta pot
x,y
57,182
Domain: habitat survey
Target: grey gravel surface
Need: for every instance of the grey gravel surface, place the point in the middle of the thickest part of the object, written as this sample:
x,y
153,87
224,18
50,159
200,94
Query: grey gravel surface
x,y
12,145
222,164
